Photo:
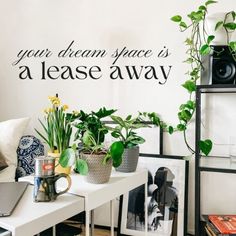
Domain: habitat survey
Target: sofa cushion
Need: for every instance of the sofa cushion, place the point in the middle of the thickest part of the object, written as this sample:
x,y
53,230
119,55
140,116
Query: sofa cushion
x,y
29,148
10,133
3,163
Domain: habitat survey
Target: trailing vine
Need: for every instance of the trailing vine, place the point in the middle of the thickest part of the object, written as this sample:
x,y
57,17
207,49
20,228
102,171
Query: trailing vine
x,y
198,44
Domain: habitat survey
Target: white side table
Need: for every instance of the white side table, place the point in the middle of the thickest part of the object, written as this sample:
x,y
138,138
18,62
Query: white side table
x,y
29,218
96,195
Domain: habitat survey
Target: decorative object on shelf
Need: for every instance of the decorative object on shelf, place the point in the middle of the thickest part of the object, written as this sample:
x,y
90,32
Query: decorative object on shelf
x,y
225,224
91,132
219,66
98,172
167,199
45,189
124,130
199,44
57,132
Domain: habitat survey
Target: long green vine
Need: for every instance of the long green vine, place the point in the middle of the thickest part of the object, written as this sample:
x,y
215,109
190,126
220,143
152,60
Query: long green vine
x,y
198,44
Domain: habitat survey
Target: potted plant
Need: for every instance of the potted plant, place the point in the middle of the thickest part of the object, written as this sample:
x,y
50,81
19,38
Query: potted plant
x,y
57,130
95,158
125,131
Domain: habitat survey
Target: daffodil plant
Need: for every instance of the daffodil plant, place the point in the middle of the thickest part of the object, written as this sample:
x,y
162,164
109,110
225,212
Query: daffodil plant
x,y
57,127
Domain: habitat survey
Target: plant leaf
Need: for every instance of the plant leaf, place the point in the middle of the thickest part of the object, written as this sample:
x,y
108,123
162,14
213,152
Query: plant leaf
x,y
67,157
210,2
116,152
210,38
81,166
118,120
128,117
181,127
189,85
205,49
176,18
170,129
183,24
230,26
233,45
205,146
202,8
218,25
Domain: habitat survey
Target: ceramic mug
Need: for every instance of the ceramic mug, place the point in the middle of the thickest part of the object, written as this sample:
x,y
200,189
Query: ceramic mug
x,y
45,189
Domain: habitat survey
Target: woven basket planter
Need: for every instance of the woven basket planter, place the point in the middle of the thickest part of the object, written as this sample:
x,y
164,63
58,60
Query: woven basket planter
x,y
129,160
98,172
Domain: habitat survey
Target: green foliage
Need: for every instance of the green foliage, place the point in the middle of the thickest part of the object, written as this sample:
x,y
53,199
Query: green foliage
x,y
67,157
81,166
199,44
57,127
91,132
115,153
205,146
124,130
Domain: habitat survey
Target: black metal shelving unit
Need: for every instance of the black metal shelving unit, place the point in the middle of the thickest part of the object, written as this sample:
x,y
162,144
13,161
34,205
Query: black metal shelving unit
x,y
211,164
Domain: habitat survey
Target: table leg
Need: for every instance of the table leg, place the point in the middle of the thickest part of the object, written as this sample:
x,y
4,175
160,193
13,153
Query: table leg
x,y
112,216
54,230
146,211
87,214
92,222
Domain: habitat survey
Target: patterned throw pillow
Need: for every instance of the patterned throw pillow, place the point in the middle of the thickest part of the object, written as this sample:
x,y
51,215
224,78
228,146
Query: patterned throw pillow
x,y
29,148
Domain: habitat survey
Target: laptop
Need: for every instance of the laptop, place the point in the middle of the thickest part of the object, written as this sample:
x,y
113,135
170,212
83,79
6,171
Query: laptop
x,y
10,194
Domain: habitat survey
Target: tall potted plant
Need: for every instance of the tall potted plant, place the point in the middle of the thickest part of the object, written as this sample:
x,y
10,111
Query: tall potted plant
x,y
95,158
57,130
125,131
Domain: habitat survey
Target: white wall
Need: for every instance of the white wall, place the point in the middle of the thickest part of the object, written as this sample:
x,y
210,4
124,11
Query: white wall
x,y
103,24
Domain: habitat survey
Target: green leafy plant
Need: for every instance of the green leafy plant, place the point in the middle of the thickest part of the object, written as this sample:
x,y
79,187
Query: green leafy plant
x,y
199,44
125,128
57,128
91,132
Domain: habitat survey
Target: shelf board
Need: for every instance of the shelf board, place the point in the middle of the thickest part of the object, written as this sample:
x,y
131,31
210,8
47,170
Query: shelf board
x,y
217,164
217,88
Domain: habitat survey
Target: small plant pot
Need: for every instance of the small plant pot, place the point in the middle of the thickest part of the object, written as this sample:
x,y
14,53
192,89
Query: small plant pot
x,y
129,160
98,173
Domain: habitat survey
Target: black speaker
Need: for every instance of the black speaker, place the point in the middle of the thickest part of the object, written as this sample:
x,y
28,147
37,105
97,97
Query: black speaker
x,y
219,67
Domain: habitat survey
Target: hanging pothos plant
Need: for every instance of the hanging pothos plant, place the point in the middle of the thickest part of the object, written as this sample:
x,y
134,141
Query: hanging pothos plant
x,y
198,44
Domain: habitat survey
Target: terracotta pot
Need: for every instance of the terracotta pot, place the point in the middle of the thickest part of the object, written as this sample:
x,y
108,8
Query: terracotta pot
x,y
129,160
98,172
58,167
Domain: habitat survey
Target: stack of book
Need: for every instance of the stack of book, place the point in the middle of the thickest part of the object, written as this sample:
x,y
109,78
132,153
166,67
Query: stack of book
x,y
220,225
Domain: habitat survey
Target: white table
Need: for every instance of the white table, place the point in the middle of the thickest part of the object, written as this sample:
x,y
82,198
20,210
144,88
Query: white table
x,y
95,195
29,218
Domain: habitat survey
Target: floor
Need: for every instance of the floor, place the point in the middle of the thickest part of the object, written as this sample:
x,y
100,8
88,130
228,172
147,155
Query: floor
x,y
100,232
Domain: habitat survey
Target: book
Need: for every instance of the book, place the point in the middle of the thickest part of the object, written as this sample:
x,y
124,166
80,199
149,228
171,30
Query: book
x,y
225,224
212,229
208,232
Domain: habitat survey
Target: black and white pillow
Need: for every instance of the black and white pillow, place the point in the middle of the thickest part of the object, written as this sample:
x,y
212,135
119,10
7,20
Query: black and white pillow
x,y
29,148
